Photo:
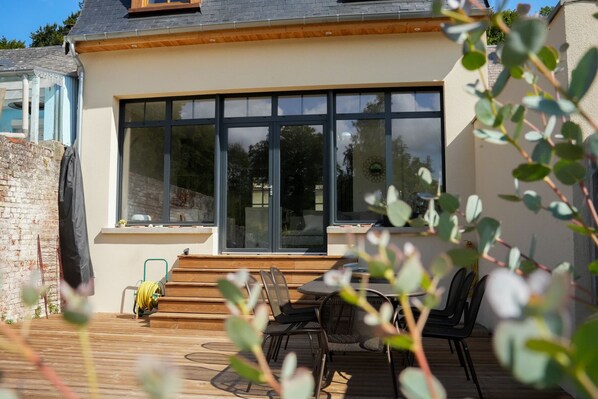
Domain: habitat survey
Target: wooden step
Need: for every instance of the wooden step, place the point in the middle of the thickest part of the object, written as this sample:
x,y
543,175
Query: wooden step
x,y
256,262
207,305
212,275
210,290
209,322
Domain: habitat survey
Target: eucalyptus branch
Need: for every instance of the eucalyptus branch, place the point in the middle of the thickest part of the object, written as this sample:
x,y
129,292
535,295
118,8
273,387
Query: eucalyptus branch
x,y
586,382
87,358
35,359
589,202
418,348
265,367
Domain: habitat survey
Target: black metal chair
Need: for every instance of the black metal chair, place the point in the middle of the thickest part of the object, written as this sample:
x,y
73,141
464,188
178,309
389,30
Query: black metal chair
x,y
344,330
298,323
284,296
458,334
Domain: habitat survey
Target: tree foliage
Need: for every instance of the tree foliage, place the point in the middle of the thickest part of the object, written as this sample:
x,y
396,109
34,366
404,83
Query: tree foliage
x,y
495,36
53,34
6,44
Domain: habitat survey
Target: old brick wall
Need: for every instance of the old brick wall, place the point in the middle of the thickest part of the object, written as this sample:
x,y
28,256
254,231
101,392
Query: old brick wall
x,y
28,209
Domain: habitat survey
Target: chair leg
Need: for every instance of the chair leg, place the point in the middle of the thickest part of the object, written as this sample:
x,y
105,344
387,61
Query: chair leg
x,y
278,345
393,374
461,358
451,346
320,376
473,373
287,343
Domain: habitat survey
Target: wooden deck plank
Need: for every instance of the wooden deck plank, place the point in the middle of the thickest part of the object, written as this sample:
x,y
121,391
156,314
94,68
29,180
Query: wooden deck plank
x,y
202,358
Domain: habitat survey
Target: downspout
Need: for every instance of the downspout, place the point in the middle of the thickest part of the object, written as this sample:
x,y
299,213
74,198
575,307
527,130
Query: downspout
x,y
80,84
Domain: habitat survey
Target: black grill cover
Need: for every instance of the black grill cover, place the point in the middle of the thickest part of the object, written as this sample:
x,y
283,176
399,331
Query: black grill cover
x,y
74,243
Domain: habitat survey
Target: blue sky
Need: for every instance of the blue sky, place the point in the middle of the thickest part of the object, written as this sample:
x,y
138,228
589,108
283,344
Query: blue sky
x,y
536,4
19,18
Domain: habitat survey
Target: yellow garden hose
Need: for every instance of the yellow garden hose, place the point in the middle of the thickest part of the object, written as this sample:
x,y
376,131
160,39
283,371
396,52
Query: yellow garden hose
x,y
147,296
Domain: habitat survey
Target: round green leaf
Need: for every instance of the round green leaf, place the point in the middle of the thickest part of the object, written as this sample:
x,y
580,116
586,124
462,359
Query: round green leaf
x,y
399,212
491,136
441,265
414,386
532,201
584,231
378,268
514,258
410,275
241,333
572,131
473,209
488,231
529,172
230,292
463,256
527,37
549,106
473,60
449,203
560,210
542,152
527,365
569,172
246,370
516,72
300,386
592,144
585,350
425,175
569,151
583,75
448,227
7,394
501,82
549,57
533,136
289,365
593,267
401,342
483,111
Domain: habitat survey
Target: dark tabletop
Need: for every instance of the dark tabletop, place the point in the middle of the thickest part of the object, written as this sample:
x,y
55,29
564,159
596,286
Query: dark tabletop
x,y
318,288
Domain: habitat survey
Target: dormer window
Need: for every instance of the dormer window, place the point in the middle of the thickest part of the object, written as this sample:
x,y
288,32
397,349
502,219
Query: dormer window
x,y
162,5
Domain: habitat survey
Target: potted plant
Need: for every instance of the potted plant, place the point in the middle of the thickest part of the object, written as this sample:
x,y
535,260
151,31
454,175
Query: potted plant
x,y
122,223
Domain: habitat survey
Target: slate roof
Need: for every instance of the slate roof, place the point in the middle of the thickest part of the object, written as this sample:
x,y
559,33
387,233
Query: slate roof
x,y
103,17
51,58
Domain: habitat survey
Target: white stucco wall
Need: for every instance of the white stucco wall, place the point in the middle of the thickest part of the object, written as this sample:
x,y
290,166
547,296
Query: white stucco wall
x,y
555,242
326,63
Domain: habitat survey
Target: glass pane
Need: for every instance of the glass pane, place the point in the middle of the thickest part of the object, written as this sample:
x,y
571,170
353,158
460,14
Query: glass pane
x,y
415,143
155,111
244,106
134,112
204,108
302,187
360,166
359,103
302,105
248,194
192,174
143,175
420,101
193,109
182,109
259,106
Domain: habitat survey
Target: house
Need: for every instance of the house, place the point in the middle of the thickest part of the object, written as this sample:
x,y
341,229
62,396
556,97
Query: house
x,y
48,77
236,127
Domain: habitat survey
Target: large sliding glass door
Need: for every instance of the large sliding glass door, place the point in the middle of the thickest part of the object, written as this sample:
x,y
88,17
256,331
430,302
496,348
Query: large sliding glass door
x,y
274,197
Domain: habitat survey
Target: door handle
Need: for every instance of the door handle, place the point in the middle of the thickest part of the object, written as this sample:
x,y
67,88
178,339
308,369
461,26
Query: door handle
x,y
269,187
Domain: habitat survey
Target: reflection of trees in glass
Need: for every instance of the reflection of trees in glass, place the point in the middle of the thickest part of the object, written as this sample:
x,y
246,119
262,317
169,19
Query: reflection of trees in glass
x,y
301,166
146,152
405,178
239,181
192,159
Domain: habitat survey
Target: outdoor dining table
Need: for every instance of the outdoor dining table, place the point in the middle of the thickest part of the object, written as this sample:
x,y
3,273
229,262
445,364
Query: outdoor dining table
x,y
318,288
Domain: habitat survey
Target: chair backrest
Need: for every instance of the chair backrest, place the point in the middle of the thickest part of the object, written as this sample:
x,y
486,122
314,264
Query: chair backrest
x,y
282,288
343,324
474,306
454,290
251,282
462,298
271,294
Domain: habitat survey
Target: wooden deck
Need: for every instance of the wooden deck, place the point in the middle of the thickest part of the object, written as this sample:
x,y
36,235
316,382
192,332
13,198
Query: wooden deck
x,y
118,342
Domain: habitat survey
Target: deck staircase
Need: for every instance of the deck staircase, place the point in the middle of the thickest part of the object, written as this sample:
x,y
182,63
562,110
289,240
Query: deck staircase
x,y
192,299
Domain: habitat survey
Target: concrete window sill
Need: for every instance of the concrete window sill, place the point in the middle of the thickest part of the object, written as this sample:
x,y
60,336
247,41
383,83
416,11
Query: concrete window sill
x,y
160,230
363,229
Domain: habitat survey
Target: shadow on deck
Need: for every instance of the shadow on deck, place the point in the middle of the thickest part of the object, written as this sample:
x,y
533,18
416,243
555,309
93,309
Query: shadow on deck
x,y
202,357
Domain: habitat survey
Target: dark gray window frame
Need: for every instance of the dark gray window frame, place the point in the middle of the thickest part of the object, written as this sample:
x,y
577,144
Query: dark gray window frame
x,y
329,121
